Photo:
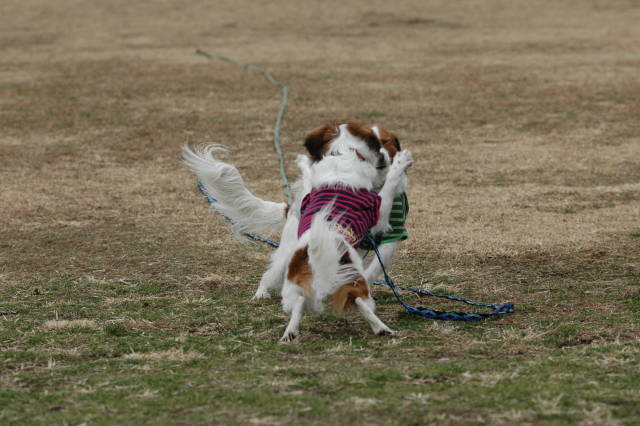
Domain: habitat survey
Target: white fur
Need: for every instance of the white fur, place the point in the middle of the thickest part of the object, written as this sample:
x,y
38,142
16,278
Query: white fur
x,y
222,181
274,275
397,179
325,245
296,309
252,214
394,184
387,250
341,165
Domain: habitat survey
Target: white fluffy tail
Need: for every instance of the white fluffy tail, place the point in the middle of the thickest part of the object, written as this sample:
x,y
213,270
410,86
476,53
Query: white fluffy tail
x,y
326,248
223,182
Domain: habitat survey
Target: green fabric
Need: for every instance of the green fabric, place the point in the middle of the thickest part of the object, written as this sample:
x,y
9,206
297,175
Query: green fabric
x,y
397,219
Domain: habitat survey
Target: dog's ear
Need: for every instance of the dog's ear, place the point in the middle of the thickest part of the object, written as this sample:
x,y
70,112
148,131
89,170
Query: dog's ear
x,y
317,142
396,142
366,134
389,141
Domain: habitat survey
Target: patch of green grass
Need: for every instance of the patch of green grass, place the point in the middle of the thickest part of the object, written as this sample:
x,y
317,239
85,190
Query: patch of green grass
x,y
165,350
633,303
563,335
116,330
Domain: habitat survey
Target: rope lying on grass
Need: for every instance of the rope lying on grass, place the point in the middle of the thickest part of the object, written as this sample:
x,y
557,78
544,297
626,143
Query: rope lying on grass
x,y
424,312
279,116
441,315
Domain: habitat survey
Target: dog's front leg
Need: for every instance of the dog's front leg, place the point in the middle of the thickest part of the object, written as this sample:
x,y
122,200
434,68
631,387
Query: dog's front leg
x,y
401,162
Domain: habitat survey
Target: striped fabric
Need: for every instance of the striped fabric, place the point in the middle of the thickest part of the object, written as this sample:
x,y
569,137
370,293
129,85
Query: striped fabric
x,y
397,219
354,212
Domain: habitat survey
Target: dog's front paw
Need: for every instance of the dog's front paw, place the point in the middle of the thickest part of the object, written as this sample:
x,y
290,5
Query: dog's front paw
x,y
403,160
386,331
261,295
288,337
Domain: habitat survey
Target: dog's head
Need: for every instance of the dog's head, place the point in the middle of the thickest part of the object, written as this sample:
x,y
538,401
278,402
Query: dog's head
x,y
336,139
331,139
318,142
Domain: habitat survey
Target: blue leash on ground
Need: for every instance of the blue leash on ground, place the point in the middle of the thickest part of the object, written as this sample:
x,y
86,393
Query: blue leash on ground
x,y
498,310
433,314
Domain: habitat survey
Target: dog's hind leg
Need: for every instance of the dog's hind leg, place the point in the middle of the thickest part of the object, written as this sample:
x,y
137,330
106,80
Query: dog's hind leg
x,y
273,277
296,286
357,292
293,328
365,306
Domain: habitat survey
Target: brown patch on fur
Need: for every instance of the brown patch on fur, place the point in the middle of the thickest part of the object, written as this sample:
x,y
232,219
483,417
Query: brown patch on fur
x,y
317,142
389,141
366,134
299,270
346,296
286,210
300,274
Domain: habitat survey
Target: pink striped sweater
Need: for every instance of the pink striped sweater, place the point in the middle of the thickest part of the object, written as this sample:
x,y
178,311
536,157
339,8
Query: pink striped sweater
x,y
354,212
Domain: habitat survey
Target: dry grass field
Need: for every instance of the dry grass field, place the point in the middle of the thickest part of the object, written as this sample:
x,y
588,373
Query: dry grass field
x,y
123,301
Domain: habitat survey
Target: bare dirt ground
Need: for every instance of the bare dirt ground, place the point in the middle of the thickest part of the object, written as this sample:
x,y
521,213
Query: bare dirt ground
x,y
523,118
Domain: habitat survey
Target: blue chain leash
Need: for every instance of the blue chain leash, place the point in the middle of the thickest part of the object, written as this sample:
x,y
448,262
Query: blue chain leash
x,y
433,314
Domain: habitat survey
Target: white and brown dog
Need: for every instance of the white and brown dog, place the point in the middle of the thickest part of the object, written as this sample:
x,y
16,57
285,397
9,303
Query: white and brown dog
x,y
335,205
251,214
